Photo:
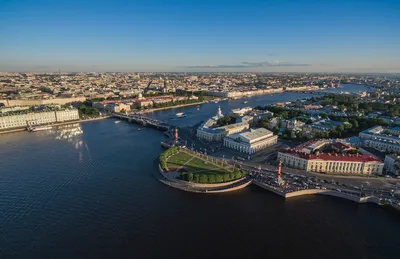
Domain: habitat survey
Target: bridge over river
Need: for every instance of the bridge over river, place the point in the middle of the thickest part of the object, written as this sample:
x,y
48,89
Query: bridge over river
x,y
144,121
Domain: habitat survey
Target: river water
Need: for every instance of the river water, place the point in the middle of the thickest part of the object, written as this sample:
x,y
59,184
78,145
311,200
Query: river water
x,y
93,195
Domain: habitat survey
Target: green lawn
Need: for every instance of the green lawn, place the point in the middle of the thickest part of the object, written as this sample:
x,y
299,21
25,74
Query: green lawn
x,y
195,165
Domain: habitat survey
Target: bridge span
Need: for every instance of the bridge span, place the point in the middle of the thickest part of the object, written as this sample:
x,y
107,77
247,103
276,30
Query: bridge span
x,y
144,121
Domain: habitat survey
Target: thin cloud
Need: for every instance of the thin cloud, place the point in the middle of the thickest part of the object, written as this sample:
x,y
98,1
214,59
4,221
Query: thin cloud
x,y
254,64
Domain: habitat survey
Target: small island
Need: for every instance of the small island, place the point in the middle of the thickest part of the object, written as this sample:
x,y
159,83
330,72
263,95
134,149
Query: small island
x,y
191,171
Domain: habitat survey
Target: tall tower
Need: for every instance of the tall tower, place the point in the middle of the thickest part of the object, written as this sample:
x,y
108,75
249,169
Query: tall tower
x,y
278,170
278,173
176,135
219,113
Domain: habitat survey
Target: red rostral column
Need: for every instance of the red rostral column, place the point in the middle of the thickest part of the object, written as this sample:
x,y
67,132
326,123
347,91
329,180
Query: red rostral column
x,y
176,135
278,169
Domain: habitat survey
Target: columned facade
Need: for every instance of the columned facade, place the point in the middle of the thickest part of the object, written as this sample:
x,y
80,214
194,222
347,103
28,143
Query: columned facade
x,y
250,144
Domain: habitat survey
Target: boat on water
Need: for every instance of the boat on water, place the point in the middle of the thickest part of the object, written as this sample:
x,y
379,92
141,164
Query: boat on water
x,y
180,115
33,129
116,122
245,102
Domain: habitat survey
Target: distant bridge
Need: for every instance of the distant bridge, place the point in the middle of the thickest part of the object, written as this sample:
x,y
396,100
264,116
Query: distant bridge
x,y
144,121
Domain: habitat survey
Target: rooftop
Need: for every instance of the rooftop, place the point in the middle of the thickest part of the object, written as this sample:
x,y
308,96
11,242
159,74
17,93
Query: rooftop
x,y
331,157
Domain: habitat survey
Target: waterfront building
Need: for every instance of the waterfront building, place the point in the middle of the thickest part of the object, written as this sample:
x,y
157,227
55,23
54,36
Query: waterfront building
x,y
119,107
251,141
390,163
37,118
145,103
381,139
242,111
210,132
67,115
307,157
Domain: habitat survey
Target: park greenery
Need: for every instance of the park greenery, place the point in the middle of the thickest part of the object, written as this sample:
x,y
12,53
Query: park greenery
x,y
196,169
226,120
45,89
281,112
212,178
88,112
352,104
163,157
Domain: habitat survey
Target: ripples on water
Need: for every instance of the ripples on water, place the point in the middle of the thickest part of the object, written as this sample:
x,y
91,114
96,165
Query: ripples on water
x,y
92,195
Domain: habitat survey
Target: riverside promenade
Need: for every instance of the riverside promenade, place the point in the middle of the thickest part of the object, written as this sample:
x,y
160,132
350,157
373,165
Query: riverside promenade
x,y
169,178
57,124
281,192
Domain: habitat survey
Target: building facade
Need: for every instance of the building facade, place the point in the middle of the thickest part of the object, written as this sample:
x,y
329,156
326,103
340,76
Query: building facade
x,y
251,141
390,163
331,163
208,130
381,139
38,118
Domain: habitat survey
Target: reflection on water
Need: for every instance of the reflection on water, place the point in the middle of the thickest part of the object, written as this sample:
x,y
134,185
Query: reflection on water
x,y
72,133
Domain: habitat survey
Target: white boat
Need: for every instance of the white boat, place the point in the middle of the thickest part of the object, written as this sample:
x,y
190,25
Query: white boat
x,y
116,122
180,115
245,102
33,129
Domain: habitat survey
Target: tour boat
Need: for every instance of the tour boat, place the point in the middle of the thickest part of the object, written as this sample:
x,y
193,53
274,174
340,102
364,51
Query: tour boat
x,y
116,122
33,129
180,115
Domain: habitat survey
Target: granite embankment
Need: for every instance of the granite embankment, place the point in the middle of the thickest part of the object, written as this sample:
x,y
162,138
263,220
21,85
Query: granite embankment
x,y
358,199
56,124
238,184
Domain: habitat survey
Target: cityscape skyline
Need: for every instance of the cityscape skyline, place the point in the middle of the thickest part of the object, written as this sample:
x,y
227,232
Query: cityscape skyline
x,y
206,36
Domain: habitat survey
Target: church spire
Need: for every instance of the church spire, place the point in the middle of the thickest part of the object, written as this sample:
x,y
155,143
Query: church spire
x,y
219,114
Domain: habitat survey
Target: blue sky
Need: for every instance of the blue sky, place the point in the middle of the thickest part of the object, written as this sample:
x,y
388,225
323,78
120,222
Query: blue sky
x,y
156,35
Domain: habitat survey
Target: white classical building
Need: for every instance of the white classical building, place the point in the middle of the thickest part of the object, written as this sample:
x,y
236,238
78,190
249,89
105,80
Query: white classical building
x,y
251,141
67,115
381,139
209,132
37,118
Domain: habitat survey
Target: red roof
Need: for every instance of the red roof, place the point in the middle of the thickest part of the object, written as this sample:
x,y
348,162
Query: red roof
x,y
331,157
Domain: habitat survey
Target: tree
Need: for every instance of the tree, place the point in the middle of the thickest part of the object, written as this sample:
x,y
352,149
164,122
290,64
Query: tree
x,y
324,115
226,120
340,128
211,178
237,175
203,178
184,176
196,178
219,178
45,89
226,177
190,177
348,126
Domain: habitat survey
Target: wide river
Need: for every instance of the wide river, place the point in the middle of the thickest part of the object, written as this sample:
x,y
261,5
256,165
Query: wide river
x,y
93,195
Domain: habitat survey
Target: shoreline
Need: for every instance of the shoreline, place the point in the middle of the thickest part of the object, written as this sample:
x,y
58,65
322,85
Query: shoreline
x,y
56,124
332,193
171,107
